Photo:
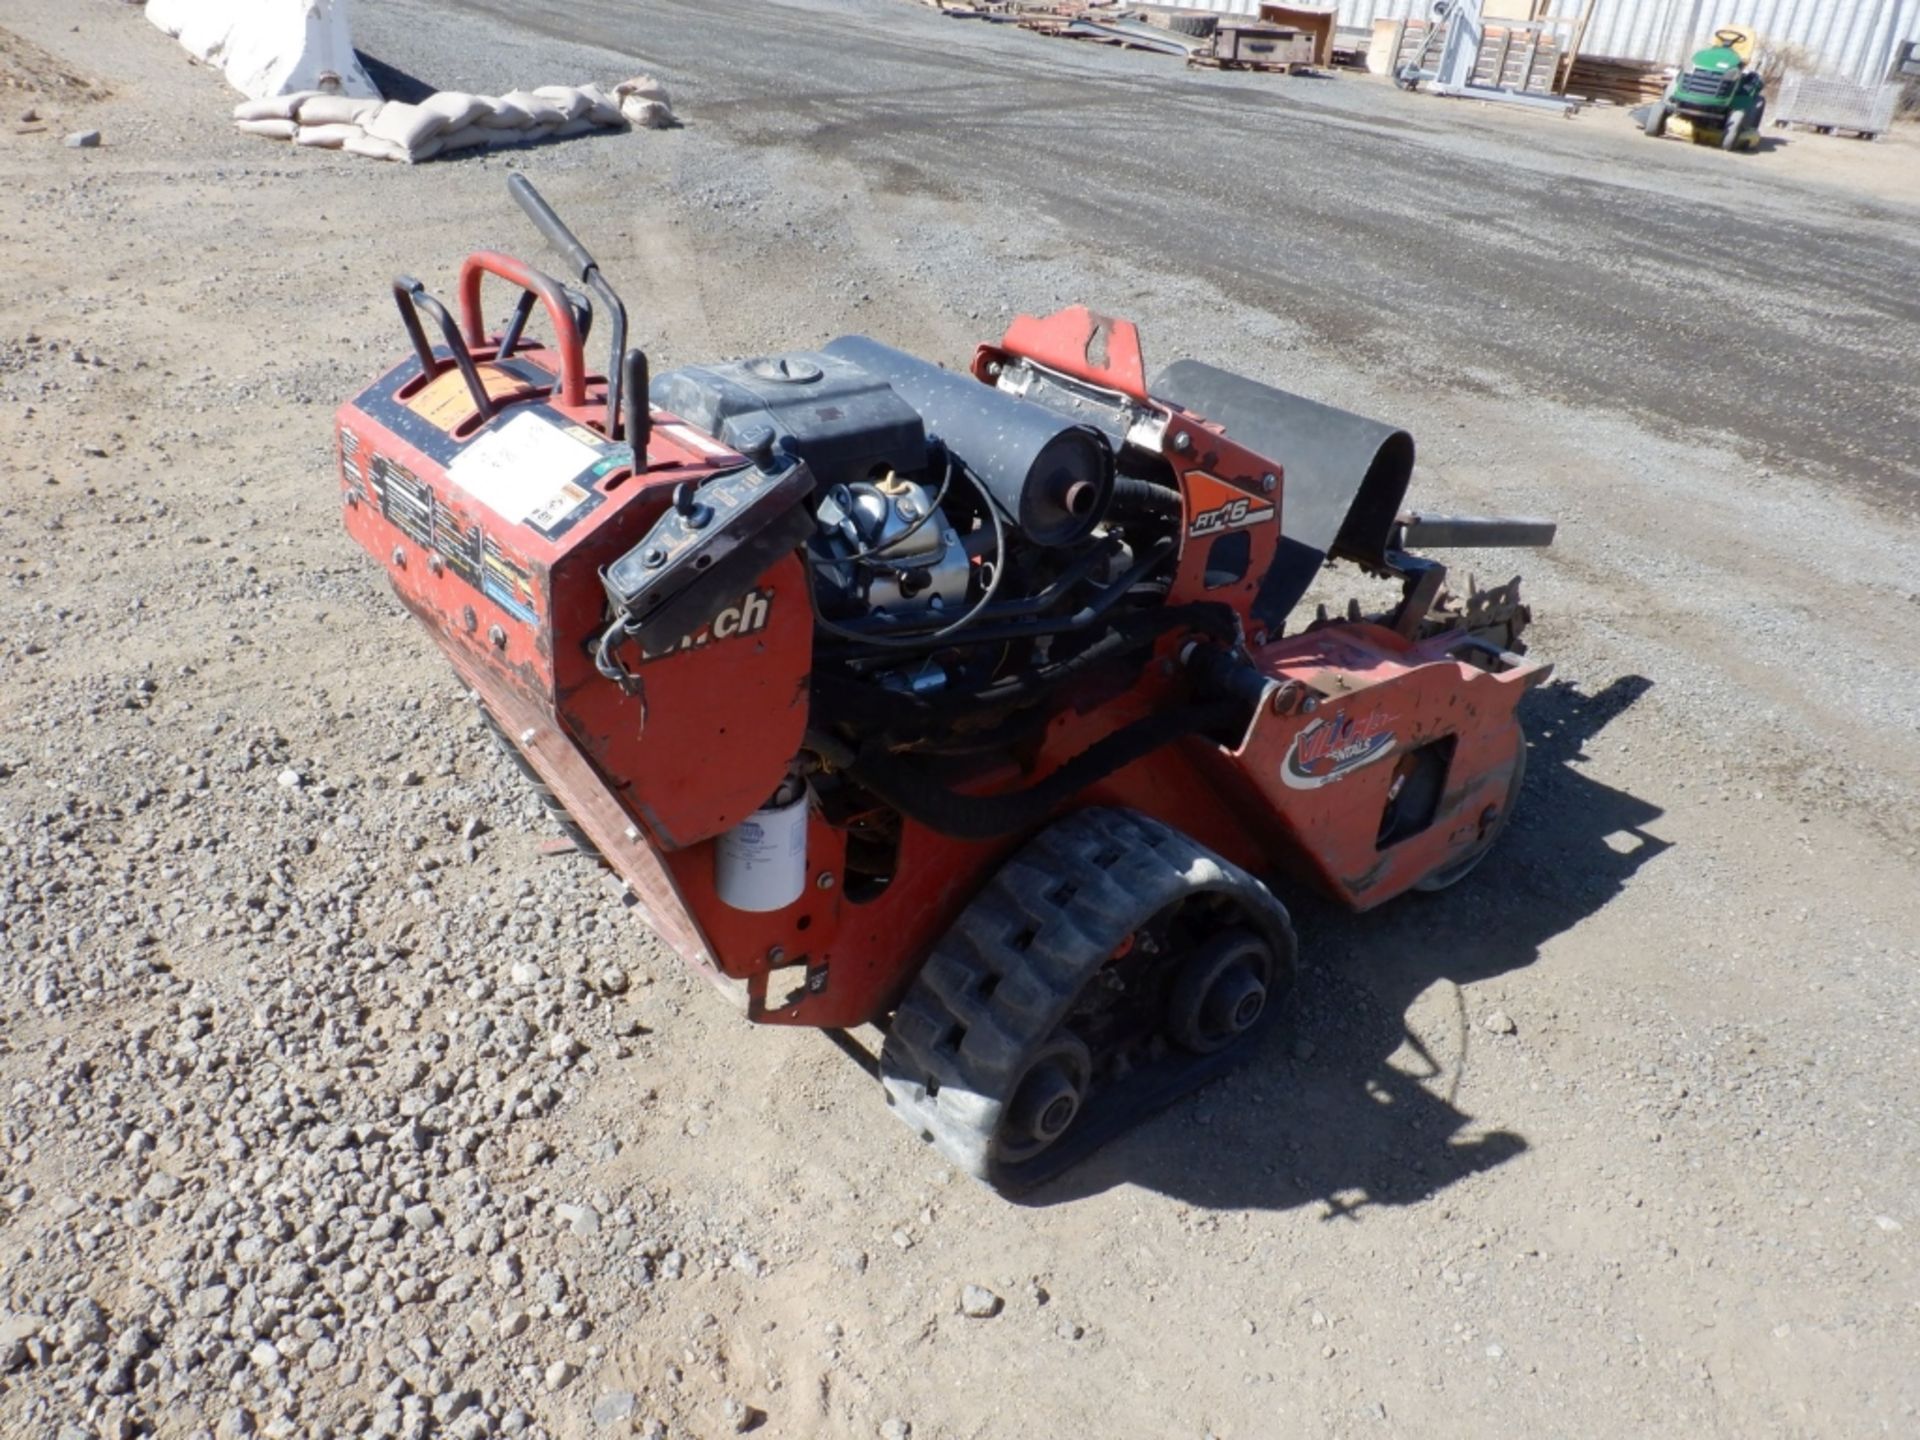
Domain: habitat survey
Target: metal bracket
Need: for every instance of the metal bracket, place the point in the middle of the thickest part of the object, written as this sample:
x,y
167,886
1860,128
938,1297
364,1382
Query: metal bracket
x,y
1421,583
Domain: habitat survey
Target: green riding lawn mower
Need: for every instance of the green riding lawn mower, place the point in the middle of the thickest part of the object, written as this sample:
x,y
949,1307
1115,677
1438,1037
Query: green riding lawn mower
x,y
1717,99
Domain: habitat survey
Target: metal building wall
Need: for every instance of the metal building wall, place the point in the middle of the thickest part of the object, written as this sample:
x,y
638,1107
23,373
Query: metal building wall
x,y
1856,38
1859,39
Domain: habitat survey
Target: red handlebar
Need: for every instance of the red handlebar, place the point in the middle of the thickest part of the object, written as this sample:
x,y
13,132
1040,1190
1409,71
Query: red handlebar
x,y
566,335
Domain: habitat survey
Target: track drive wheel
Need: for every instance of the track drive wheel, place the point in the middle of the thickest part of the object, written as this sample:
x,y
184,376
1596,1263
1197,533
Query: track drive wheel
x,y
1451,875
1108,968
549,801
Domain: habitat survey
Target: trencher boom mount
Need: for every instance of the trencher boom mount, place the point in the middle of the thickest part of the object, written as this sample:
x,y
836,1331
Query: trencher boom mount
x,y
970,705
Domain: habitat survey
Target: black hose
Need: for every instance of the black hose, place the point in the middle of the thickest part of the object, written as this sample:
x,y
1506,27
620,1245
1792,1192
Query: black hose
x,y
1082,619
924,799
1145,496
1208,616
870,709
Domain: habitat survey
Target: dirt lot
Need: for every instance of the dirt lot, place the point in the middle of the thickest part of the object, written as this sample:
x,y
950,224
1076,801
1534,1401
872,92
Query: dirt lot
x,y
332,1108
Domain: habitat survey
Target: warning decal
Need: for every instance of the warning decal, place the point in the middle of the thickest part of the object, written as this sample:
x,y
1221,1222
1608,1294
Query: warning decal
x,y
404,500
526,467
505,581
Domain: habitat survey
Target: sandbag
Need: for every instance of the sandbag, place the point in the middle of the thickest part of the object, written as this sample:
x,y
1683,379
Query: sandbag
x,y
327,137
565,98
542,112
644,87
456,108
471,137
334,110
605,109
503,114
646,114
365,144
408,126
274,107
643,103
453,120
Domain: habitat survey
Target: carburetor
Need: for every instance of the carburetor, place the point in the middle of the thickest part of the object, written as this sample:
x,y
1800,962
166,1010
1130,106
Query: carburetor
x,y
884,545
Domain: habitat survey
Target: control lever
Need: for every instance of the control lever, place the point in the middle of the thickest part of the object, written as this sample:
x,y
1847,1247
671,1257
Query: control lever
x,y
586,270
714,542
689,509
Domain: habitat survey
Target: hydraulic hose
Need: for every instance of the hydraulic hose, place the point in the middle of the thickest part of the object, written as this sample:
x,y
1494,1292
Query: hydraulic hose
x,y
922,798
1145,497
908,719
983,634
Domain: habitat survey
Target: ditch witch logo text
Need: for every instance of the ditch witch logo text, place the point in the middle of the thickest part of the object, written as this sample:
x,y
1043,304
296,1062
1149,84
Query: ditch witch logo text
x,y
747,616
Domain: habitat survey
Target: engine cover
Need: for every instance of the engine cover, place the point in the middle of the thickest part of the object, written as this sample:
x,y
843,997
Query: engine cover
x,y
845,422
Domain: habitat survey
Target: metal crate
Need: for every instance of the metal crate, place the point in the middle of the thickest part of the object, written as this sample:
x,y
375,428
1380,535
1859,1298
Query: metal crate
x,y
1830,104
1263,47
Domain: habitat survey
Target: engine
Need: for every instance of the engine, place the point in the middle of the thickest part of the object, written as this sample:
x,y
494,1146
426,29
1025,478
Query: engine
x,y
957,530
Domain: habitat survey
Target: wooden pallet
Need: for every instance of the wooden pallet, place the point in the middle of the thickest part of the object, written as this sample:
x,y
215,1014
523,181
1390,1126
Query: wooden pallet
x,y
1617,82
1289,67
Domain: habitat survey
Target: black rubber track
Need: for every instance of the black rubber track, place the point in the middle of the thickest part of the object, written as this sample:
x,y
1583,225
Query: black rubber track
x,y
549,801
1000,982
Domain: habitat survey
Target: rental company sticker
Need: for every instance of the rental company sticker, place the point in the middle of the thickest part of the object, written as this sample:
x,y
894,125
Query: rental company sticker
x,y
525,468
1328,749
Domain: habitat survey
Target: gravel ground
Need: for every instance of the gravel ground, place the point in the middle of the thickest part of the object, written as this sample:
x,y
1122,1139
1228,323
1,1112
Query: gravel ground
x,y
331,1107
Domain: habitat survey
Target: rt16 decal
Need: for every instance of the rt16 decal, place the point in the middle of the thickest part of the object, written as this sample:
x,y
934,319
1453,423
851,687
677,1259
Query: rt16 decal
x,y
1328,749
1219,507
746,616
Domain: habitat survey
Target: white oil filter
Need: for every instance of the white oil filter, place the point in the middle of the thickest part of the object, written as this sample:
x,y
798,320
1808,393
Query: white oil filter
x,y
761,864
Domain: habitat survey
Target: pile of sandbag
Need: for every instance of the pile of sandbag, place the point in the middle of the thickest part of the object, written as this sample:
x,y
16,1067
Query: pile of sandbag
x,y
451,120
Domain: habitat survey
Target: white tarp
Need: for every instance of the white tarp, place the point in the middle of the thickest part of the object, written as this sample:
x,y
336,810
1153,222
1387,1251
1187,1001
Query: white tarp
x,y
270,47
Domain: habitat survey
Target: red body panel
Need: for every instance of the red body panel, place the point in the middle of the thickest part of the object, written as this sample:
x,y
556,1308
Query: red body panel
x,y
655,771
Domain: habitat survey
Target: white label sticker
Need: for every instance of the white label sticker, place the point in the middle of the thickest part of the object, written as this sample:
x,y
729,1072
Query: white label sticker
x,y
559,505
526,467
693,439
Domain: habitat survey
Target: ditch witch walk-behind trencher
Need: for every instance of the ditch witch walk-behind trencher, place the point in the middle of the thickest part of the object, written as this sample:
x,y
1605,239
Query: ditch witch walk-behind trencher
x,y
969,705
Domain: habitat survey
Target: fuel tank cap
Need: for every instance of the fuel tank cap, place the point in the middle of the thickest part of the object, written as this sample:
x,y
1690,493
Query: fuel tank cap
x,y
785,369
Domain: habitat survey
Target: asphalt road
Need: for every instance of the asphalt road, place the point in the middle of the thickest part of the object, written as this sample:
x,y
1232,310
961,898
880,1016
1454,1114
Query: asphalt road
x,y
1433,243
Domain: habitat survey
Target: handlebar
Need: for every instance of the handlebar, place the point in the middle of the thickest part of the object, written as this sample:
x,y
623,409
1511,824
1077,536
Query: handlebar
x,y
552,228
585,271
560,314
411,296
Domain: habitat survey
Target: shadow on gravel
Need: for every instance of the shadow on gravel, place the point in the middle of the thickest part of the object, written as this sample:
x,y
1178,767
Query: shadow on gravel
x,y
395,84
1352,1108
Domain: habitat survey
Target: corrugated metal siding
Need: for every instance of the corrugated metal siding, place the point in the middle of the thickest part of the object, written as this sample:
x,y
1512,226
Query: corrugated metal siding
x,y
1859,39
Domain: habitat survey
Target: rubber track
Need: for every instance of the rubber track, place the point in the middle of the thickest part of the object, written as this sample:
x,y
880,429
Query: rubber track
x,y
1009,970
550,802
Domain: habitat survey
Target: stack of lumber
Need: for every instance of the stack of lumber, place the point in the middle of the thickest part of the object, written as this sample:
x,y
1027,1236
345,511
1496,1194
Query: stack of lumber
x,y
1619,82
